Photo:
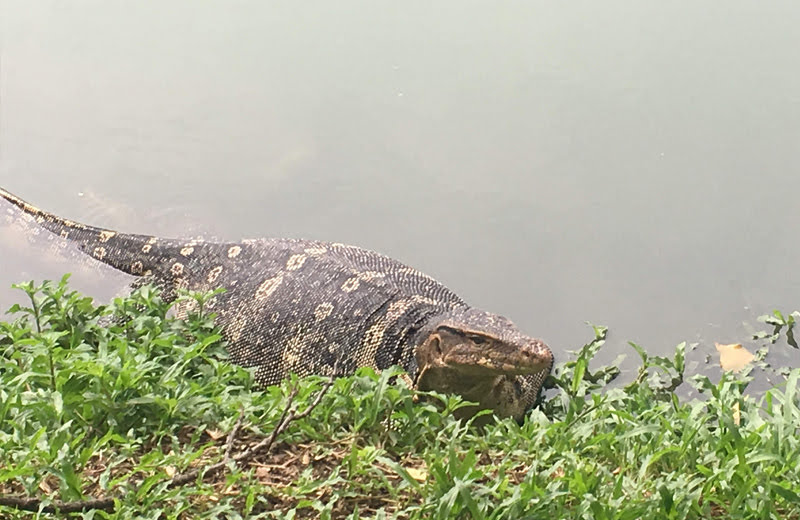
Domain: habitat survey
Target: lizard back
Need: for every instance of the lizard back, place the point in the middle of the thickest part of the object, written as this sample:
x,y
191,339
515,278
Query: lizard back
x,y
289,305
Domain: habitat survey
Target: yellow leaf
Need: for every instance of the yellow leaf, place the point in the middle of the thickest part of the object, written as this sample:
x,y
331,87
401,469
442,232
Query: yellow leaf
x,y
418,474
733,357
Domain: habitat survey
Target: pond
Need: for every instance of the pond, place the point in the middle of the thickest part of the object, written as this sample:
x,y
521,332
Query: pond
x,y
627,164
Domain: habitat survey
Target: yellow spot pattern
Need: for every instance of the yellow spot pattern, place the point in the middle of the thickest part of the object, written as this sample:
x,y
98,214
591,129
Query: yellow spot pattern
x,y
322,311
370,275
236,326
350,285
176,269
214,274
268,286
106,235
295,262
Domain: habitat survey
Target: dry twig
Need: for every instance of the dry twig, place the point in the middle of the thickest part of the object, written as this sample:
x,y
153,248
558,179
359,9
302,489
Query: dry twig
x,y
232,436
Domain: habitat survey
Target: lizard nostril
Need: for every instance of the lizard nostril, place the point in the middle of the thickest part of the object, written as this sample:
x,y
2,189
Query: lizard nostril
x,y
437,345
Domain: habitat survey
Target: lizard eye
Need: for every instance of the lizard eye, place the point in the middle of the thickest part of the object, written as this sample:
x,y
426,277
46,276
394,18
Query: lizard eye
x,y
476,339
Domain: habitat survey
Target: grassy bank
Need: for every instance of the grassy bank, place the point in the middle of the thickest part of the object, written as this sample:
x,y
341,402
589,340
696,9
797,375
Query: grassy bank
x,y
140,416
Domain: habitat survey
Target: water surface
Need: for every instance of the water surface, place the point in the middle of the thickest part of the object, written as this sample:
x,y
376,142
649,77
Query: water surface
x,y
628,164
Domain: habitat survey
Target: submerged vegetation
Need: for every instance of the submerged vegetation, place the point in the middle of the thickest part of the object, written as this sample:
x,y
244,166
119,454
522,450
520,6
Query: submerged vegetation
x,y
124,411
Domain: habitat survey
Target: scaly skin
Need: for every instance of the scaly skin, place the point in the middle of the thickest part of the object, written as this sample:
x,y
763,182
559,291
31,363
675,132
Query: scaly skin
x,y
326,308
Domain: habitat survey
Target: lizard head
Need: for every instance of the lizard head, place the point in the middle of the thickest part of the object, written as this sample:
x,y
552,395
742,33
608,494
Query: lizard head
x,y
484,358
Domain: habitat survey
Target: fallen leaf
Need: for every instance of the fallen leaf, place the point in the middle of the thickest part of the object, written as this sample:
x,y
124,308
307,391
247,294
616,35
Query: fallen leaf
x,y
418,474
215,434
733,357
45,486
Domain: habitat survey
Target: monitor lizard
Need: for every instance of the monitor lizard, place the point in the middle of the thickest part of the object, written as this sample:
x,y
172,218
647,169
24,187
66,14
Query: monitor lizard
x,y
313,307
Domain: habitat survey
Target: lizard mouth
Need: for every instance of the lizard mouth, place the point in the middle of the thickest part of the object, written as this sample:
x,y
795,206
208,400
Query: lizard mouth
x,y
479,363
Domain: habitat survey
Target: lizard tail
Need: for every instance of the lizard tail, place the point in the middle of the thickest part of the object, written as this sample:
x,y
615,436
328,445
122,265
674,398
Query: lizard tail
x,y
105,245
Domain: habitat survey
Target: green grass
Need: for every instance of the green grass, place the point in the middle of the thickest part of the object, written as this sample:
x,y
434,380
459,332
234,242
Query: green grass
x,y
113,402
